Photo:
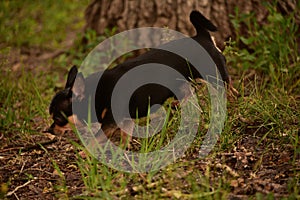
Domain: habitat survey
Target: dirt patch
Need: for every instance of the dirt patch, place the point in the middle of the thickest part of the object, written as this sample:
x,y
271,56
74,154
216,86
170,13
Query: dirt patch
x,y
259,166
29,166
253,165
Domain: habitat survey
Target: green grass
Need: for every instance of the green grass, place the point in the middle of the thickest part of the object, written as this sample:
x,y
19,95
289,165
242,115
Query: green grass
x,y
27,23
266,73
278,60
22,101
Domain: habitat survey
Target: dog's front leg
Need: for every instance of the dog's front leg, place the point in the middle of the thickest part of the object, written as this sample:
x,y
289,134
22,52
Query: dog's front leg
x,y
112,131
126,131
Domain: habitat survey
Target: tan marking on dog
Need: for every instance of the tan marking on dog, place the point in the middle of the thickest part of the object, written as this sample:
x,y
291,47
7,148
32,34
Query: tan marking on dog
x,y
61,129
103,113
215,43
73,119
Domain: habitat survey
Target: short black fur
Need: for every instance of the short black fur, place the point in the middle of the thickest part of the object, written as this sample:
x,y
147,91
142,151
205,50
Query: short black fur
x,y
139,102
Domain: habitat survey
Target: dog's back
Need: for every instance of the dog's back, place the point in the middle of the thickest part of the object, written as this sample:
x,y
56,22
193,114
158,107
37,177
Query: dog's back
x,y
161,55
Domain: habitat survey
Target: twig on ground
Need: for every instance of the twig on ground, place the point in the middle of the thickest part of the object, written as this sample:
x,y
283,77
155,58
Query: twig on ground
x,y
28,148
227,169
19,187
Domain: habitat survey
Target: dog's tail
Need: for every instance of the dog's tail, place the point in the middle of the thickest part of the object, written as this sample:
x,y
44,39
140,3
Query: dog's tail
x,y
201,23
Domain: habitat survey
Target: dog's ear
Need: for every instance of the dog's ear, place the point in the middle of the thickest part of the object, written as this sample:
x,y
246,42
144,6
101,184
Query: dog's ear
x,y
78,87
71,77
75,84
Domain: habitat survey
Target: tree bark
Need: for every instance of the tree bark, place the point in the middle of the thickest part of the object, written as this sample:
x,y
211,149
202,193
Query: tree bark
x,y
174,14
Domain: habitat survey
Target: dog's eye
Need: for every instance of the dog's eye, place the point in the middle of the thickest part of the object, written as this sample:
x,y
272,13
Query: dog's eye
x,y
60,121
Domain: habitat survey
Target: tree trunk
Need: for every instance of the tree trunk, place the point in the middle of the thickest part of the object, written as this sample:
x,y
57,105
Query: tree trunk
x,y
174,14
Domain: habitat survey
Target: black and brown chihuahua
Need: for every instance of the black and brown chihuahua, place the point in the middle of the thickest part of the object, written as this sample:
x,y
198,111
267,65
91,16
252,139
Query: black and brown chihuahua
x,y
78,96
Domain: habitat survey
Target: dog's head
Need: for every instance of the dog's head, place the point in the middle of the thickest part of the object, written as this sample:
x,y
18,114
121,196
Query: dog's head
x,y
61,105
